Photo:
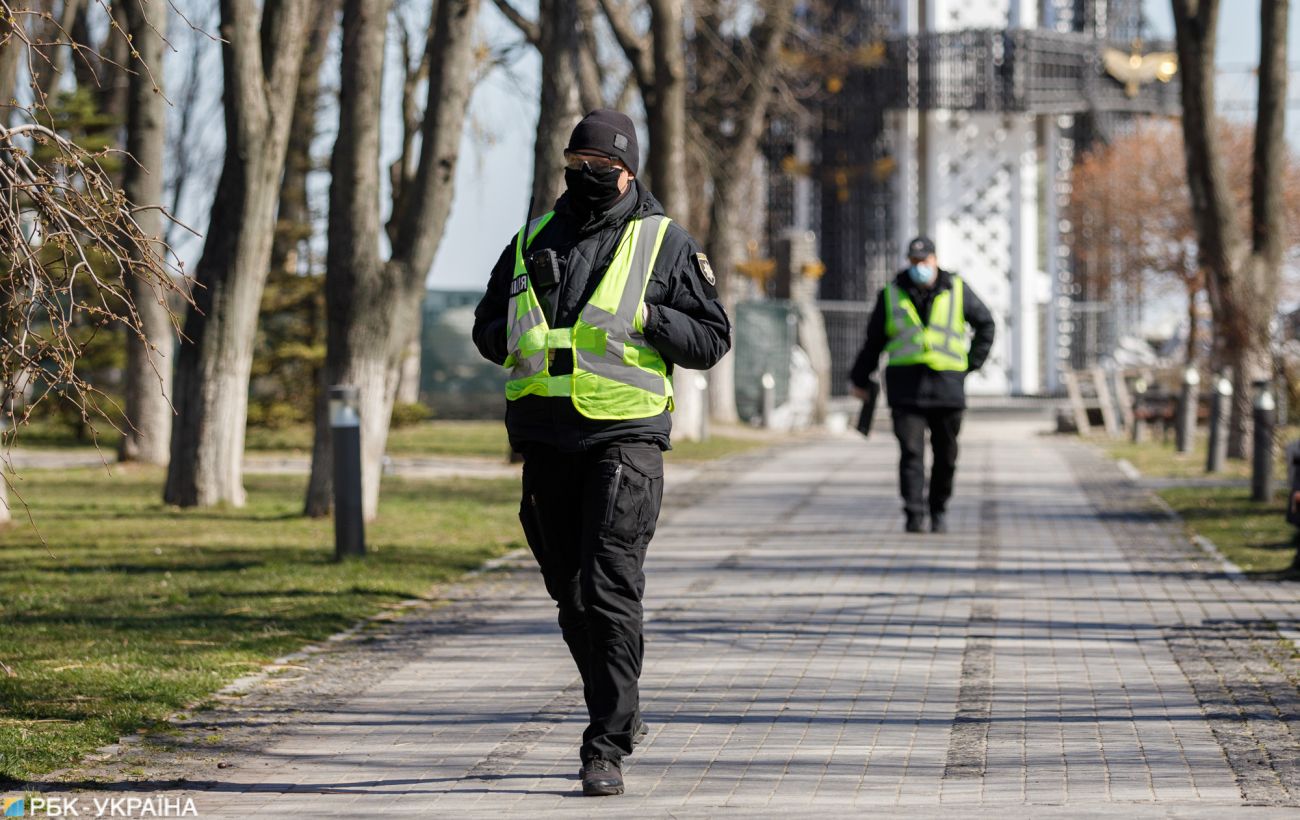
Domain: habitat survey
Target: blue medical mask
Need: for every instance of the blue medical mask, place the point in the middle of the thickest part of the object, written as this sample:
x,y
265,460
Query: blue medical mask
x,y
921,274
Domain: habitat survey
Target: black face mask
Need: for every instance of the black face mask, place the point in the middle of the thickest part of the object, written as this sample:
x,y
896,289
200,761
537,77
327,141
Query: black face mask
x,y
591,190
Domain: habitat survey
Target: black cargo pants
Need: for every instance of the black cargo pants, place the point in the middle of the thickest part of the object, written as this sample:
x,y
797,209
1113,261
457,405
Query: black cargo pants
x,y
589,518
910,426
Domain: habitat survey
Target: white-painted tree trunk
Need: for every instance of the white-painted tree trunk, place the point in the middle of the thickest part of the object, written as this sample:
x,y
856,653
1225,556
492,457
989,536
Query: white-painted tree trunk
x,y
408,376
149,357
216,353
373,306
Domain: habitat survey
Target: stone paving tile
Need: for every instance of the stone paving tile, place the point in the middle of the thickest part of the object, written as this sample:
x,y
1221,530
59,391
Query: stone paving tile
x,y
805,654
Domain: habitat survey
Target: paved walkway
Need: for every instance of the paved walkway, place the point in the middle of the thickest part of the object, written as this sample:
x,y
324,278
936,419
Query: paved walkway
x,y
1062,652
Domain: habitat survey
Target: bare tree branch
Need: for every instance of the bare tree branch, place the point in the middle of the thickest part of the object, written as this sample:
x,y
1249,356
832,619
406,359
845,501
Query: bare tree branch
x,y
531,30
636,46
72,247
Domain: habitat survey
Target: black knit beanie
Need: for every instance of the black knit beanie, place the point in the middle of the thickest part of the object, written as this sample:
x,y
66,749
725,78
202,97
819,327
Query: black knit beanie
x,y
607,132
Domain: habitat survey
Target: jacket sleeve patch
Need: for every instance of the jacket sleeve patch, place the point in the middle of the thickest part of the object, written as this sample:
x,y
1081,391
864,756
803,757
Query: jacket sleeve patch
x,y
703,268
706,272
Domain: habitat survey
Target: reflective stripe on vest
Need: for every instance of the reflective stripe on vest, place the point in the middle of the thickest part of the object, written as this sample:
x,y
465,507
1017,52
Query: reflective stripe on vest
x,y
525,311
616,373
940,345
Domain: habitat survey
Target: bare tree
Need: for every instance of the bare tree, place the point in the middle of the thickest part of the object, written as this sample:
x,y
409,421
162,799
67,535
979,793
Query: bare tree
x,y
148,383
557,36
1134,228
665,102
658,60
731,103
1242,266
373,305
262,54
293,229
1133,221
590,71
73,256
105,71
189,163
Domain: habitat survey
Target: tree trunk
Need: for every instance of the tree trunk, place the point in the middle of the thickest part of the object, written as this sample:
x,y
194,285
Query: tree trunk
x,y
724,243
408,372
1213,208
1193,326
665,103
589,71
559,112
293,229
1250,364
352,259
114,88
261,70
1242,273
373,307
733,182
1248,347
148,359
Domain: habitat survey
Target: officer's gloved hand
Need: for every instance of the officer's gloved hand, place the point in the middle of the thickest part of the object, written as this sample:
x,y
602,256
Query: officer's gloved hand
x,y
864,393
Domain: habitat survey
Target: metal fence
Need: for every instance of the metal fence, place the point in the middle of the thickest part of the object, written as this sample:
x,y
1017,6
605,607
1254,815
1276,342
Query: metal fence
x,y
846,329
1094,332
1033,70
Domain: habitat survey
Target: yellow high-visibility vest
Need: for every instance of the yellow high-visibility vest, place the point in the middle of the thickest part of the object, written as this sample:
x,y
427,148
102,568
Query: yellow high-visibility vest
x,y
941,345
616,373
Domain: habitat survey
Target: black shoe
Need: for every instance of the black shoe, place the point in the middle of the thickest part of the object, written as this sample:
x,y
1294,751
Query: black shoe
x,y
638,735
938,523
602,778
915,523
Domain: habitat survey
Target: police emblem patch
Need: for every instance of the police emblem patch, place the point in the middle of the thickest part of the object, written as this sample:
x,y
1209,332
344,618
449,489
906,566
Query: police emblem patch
x,y
705,269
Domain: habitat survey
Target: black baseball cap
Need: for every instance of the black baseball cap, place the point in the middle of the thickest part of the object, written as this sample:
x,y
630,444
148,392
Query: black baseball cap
x,y
920,247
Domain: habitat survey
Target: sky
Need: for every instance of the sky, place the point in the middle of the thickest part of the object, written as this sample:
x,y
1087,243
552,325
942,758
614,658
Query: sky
x,y
494,175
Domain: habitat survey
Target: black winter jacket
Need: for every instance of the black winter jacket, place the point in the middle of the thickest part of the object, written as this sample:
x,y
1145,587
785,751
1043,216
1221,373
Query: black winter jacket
x,y
686,325
917,386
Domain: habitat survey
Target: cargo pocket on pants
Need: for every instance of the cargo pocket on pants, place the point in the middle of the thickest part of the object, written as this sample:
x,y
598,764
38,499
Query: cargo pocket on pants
x,y
636,488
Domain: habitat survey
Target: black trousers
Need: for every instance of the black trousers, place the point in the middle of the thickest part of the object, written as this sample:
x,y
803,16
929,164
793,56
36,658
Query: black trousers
x,y
589,518
910,426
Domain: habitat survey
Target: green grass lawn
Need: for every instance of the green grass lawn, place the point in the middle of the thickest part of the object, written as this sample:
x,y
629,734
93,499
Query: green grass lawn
x,y
1253,535
480,438
133,611
485,439
717,446
431,438
1158,460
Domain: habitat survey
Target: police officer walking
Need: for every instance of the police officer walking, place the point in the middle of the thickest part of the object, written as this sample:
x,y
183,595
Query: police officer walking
x,y
921,321
589,309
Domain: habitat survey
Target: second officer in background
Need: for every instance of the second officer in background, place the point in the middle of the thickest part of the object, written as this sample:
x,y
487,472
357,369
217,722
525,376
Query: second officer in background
x,y
921,320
